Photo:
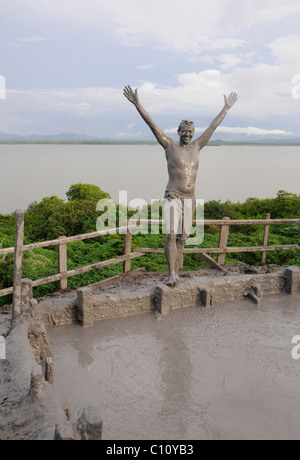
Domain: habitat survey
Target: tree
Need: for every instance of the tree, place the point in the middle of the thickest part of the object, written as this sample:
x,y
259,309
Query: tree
x,y
52,217
287,205
45,220
88,192
217,210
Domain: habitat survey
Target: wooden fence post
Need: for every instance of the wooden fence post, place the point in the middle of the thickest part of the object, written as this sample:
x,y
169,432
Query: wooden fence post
x,y
224,233
265,243
18,258
127,251
62,264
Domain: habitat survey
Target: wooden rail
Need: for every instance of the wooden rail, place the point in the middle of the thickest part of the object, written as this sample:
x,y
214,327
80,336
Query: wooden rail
x,y
63,274
129,253
225,224
221,250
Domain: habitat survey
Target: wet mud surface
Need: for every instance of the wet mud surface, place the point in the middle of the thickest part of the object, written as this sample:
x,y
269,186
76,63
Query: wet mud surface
x,y
225,372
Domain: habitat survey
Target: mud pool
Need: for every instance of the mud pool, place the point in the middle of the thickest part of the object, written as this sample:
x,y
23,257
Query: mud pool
x,y
224,372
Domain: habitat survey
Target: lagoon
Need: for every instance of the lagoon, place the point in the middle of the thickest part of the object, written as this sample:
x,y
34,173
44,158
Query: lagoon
x,y
32,172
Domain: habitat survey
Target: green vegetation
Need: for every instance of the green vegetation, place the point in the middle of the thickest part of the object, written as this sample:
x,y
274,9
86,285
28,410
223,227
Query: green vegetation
x,y
53,217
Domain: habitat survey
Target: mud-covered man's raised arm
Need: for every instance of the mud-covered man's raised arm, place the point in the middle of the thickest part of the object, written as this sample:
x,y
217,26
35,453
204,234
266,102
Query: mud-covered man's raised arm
x,y
183,162
132,96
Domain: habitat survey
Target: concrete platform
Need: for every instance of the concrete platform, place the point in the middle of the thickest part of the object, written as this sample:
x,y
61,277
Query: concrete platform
x,y
144,292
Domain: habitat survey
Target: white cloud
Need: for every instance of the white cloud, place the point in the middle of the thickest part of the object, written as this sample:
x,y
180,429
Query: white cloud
x,y
145,66
237,14
129,135
264,89
226,43
192,28
286,50
80,102
198,26
229,60
250,130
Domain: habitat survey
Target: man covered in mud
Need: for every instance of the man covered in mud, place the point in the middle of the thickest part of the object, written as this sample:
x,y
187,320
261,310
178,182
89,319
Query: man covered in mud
x,y
183,162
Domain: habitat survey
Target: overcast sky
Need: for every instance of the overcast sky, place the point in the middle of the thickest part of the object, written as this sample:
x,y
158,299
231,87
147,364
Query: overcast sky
x,y
65,63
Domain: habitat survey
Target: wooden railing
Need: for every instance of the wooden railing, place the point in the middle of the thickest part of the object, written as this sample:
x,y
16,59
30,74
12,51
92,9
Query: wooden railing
x,y
63,274
222,249
129,253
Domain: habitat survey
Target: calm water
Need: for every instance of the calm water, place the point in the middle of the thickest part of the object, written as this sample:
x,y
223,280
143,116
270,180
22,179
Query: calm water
x,y
32,172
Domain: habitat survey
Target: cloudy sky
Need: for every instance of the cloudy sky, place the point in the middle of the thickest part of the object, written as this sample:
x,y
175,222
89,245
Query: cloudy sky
x,y
65,63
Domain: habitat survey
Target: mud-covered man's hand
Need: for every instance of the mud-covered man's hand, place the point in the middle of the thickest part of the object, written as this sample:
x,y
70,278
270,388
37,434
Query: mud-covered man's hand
x,y
131,95
230,100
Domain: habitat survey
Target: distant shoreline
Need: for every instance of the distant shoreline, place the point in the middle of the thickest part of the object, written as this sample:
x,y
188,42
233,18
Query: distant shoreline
x,y
210,144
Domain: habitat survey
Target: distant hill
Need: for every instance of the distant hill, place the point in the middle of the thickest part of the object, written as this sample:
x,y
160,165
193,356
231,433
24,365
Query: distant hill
x,y
46,137
60,137
256,142
6,136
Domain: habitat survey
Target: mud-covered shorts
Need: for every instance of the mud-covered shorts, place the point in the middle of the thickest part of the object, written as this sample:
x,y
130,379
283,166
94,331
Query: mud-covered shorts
x,y
184,209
